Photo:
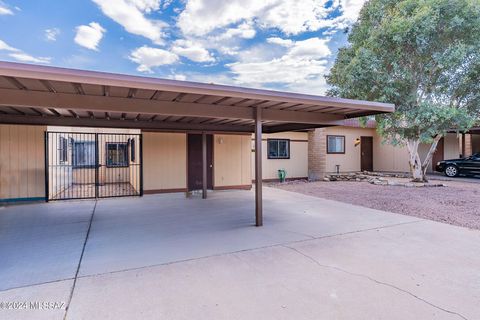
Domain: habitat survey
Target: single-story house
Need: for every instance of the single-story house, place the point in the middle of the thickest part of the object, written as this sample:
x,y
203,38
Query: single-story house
x,y
189,136
351,147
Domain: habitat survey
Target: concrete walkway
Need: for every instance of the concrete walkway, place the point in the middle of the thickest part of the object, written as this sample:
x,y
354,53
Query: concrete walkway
x,y
167,257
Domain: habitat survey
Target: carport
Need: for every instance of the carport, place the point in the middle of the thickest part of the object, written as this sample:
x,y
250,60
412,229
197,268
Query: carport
x,y
40,95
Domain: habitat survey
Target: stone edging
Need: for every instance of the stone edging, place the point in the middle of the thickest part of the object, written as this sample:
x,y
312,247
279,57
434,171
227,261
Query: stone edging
x,y
378,178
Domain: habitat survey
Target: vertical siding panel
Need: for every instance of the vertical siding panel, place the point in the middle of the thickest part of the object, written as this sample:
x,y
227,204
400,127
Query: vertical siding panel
x,y
232,160
246,160
164,160
38,165
3,161
36,180
23,162
13,164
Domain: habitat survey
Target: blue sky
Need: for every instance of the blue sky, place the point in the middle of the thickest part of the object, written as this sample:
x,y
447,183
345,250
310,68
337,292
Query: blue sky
x,y
276,44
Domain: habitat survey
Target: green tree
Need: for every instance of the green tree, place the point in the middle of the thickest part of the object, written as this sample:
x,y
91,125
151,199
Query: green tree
x,y
421,55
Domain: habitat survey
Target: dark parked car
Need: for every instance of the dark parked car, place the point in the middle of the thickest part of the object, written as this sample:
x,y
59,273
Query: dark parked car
x,y
452,168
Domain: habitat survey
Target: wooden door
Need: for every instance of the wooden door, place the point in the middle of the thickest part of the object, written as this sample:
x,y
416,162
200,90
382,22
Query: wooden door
x,y
366,151
195,162
438,154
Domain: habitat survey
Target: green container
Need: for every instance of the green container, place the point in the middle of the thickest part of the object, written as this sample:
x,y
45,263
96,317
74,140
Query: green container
x,y
282,174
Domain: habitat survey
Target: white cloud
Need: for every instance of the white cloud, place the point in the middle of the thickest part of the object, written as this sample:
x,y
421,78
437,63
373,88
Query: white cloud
x,y
131,15
148,58
178,76
300,68
51,34
89,36
280,41
244,30
4,46
201,17
193,51
25,57
19,55
4,10
292,17
313,48
351,9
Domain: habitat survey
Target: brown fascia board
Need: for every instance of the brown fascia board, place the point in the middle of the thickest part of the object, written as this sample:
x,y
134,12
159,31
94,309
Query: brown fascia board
x,y
27,98
21,70
125,124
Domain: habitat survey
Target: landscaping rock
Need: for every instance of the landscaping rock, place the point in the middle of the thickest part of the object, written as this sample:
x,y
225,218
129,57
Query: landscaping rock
x,y
378,178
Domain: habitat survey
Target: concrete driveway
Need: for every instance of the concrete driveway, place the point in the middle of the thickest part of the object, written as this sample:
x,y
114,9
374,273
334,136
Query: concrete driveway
x,y
167,257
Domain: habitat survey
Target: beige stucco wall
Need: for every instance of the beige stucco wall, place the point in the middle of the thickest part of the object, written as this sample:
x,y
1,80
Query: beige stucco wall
x,y
475,138
452,146
22,162
164,161
386,157
296,166
395,159
231,160
350,161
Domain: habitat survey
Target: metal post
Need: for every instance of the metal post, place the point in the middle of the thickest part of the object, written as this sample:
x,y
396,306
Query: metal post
x,y
204,165
141,163
47,168
258,168
97,166
463,146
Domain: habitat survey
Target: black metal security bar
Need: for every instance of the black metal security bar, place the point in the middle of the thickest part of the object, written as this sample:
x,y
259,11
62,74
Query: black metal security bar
x,y
92,165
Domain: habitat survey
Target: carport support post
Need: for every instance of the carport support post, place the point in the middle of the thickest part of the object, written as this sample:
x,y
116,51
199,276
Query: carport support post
x,y
204,165
258,168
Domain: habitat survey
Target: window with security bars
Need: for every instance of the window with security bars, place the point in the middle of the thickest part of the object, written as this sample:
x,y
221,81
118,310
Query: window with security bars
x,y
63,149
117,155
83,154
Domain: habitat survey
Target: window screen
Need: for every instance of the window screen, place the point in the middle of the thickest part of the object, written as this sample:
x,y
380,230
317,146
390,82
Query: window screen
x,y
84,154
62,149
117,155
335,144
132,150
278,148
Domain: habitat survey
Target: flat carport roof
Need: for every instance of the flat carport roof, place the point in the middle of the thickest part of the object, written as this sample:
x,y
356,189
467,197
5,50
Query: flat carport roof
x,y
31,94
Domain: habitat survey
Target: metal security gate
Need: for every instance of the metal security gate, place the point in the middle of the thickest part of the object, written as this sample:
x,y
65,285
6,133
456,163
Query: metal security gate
x,y
92,165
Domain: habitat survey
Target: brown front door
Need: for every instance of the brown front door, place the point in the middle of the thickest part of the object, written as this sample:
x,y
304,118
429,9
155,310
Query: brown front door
x,y
195,161
366,151
438,154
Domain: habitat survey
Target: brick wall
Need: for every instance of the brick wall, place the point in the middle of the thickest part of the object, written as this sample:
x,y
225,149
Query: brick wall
x,y
317,158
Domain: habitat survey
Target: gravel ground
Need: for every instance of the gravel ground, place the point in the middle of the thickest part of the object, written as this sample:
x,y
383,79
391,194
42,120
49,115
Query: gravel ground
x,y
457,203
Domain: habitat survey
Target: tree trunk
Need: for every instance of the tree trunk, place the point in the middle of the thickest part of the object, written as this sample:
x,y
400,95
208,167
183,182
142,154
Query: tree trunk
x,y
414,161
417,168
428,158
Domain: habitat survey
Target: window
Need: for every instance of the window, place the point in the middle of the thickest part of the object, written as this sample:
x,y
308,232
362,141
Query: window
x,y
278,148
84,154
62,150
335,144
117,155
132,150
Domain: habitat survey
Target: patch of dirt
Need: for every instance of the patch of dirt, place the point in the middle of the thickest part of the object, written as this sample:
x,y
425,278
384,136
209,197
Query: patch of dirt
x,y
457,203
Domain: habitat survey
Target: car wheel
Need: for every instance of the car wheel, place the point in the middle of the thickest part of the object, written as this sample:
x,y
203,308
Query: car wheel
x,y
451,171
